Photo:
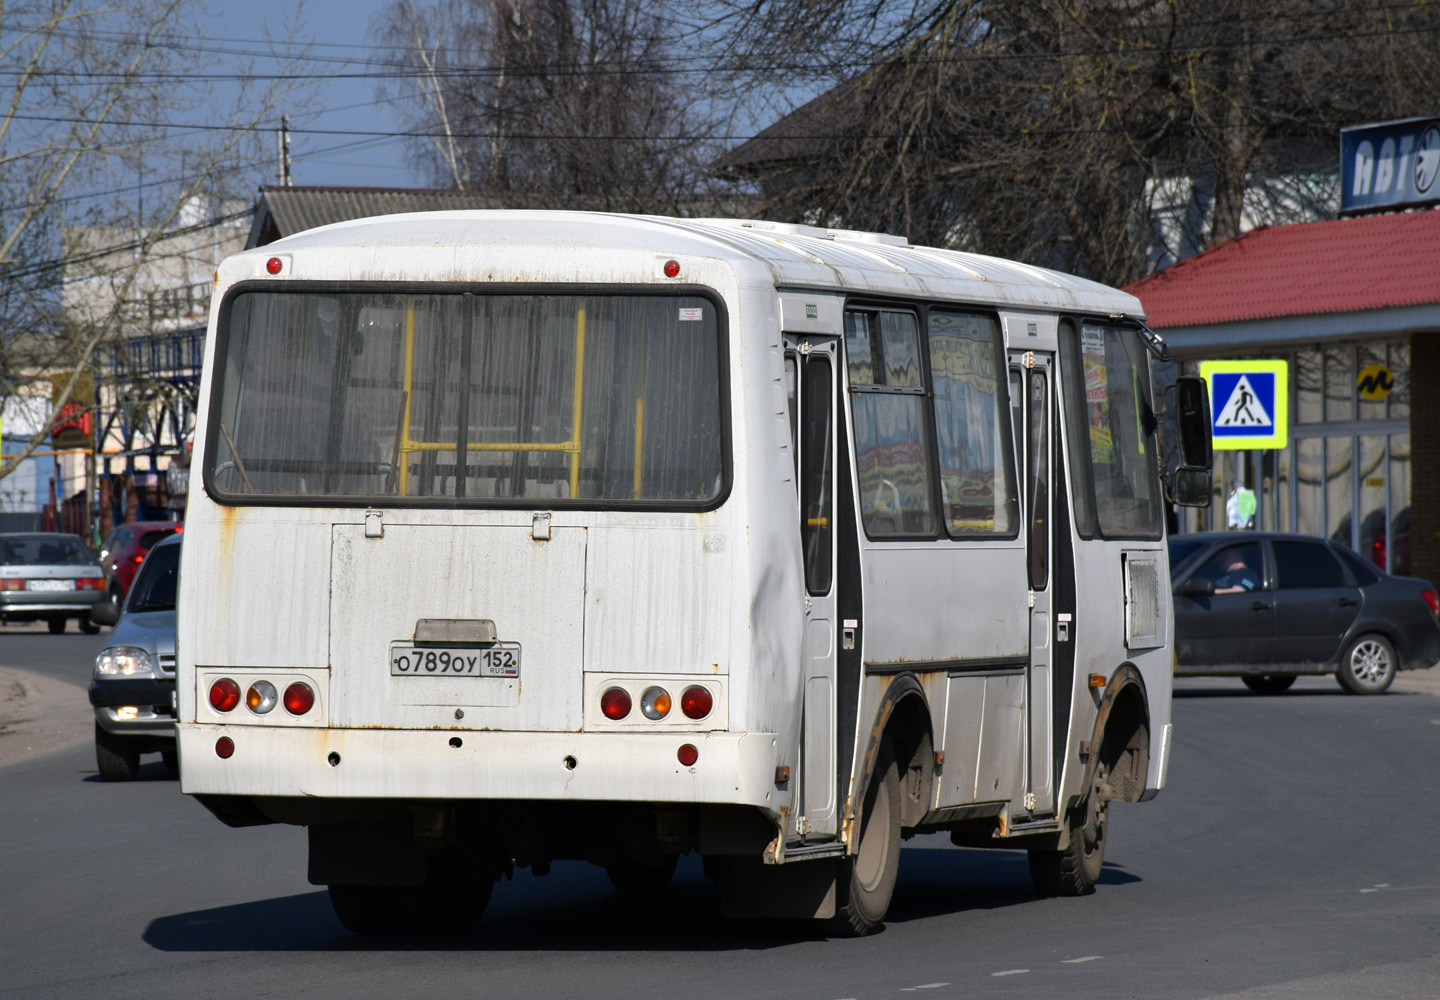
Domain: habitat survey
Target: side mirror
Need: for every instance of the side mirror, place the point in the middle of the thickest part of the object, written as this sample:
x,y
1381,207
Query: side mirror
x,y
1198,588
104,613
1192,398
1189,484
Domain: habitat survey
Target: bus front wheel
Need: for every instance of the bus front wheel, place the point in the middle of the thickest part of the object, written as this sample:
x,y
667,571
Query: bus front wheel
x,y
866,879
1075,870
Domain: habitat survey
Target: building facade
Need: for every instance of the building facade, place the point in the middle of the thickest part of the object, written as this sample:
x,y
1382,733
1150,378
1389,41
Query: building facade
x,y
1353,306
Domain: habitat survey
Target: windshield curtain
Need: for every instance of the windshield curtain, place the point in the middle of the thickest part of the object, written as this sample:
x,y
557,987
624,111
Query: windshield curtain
x,y
155,589
1110,422
46,550
470,399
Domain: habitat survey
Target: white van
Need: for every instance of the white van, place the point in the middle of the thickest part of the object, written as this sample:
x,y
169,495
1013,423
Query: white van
x,y
524,536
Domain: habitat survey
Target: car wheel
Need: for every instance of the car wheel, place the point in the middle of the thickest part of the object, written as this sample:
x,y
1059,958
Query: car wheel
x,y
1368,665
117,757
636,876
866,880
56,625
1269,683
87,626
1076,870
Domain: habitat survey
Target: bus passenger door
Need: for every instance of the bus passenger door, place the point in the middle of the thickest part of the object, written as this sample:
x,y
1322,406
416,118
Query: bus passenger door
x,y
810,376
1031,400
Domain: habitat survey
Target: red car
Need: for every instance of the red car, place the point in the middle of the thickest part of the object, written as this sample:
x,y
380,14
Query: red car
x,y
122,553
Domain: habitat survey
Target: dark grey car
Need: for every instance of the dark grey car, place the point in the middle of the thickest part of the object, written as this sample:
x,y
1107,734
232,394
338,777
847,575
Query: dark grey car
x,y
1267,607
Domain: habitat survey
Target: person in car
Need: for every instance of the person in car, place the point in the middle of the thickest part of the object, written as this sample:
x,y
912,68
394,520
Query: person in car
x,y
1238,577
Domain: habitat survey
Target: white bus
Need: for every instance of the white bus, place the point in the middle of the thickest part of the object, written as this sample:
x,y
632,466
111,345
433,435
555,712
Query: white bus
x,y
524,536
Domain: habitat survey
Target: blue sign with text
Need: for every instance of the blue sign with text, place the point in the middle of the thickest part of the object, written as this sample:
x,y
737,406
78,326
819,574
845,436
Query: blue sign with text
x,y
1390,165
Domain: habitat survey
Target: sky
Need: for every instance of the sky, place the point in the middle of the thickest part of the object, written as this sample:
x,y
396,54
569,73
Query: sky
x,y
338,28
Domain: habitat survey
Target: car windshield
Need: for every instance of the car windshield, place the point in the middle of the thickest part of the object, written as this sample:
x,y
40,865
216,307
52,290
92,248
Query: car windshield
x,y
155,588
46,550
1182,549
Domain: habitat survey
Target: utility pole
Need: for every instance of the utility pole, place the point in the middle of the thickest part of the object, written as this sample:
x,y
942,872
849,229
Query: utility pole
x,y
282,150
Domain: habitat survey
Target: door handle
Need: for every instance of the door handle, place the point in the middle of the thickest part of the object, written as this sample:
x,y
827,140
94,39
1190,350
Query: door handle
x,y
1345,602
1259,606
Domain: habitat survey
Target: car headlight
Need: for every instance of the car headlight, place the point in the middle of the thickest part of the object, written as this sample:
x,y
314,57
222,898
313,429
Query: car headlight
x,y
123,661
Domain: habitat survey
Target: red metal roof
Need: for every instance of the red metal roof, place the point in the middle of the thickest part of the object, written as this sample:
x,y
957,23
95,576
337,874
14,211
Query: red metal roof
x,y
1337,266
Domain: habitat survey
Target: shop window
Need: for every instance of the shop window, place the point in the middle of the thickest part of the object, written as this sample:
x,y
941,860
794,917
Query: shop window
x,y
1340,382
1337,489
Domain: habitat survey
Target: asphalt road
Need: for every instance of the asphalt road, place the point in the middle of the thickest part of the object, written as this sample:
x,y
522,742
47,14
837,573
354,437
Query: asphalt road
x,y
1292,856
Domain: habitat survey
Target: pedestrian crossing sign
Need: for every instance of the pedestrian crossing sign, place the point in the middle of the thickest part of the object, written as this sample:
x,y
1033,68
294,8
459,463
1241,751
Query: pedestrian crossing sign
x,y
1249,403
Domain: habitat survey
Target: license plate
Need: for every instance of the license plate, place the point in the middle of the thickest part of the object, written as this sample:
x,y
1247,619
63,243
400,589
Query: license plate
x,y
499,660
50,585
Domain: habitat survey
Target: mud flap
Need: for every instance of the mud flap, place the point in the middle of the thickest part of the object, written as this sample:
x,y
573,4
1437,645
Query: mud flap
x,y
802,890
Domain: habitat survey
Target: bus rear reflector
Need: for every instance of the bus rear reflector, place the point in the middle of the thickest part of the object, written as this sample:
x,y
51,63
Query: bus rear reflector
x,y
615,704
687,755
696,702
299,698
224,695
224,747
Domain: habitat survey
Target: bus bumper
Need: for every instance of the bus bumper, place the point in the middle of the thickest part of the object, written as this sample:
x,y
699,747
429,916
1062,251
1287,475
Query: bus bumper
x,y
737,768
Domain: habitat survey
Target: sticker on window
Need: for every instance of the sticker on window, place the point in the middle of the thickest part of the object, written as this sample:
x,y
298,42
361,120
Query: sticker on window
x,y
691,315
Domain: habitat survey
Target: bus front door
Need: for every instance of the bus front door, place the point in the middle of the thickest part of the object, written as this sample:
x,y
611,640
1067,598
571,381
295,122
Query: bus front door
x,y
810,368
1031,402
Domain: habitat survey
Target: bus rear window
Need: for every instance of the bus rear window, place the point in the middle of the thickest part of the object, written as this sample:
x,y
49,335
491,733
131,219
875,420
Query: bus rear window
x,y
468,399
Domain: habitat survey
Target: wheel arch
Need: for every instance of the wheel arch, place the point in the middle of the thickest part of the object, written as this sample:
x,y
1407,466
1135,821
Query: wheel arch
x,y
903,719
1121,737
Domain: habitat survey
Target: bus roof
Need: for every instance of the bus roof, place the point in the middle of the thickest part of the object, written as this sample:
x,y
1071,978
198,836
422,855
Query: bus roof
x,y
796,256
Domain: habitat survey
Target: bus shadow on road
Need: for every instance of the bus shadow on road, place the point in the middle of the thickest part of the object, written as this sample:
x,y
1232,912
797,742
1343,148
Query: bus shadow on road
x,y
936,882
575,909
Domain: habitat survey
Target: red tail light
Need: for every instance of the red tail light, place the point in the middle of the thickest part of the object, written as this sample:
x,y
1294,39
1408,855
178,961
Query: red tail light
x,y
90,583
224,695
615,703
12,583
696,702
1432,599
140,558
299,698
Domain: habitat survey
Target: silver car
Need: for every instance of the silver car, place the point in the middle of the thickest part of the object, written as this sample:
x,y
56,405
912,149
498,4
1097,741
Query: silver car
x,y
133,692
49,577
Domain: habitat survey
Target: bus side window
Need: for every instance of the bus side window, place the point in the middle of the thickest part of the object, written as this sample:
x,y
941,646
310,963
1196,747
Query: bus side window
x,y
817,475
1038,479
892,456
790,388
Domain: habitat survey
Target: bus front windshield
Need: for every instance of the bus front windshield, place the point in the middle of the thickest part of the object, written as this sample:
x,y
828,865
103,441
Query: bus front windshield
x,y
1111,425
468,399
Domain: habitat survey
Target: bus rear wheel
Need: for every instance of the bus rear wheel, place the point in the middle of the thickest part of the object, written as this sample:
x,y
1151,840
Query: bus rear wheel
x,y
865,882
1075,870
452,899
367,909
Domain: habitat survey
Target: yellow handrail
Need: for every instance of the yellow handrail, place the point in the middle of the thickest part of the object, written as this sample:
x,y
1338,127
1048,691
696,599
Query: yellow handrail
x,y
572,447
579,397
404,479
639,437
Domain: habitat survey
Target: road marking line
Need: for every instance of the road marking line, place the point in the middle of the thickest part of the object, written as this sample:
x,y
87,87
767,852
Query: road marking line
x,y
1011,972
1083,958
927,986
1382,885
1369,890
